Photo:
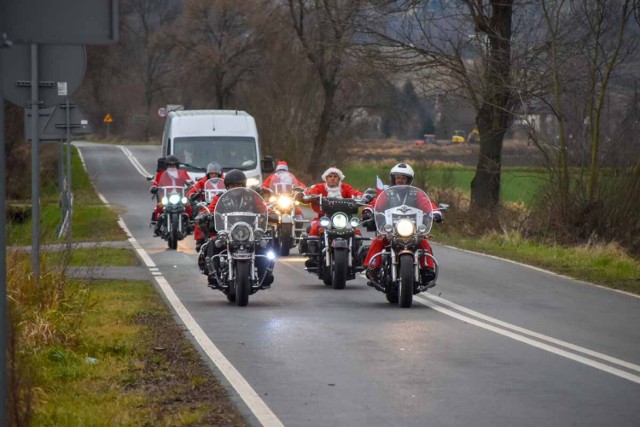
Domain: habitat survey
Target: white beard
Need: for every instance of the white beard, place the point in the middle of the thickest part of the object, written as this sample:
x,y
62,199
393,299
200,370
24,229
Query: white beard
x,y
334,191
173,173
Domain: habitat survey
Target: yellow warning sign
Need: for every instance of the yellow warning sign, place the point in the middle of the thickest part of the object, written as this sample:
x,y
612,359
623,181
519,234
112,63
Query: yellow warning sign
x,y
108,119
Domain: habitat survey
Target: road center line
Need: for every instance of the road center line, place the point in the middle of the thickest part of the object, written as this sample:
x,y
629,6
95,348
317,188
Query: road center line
x,y
136,164
537,335
580,359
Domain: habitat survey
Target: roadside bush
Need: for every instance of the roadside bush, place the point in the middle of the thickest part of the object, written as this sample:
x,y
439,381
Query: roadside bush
x,y
40,315
612,216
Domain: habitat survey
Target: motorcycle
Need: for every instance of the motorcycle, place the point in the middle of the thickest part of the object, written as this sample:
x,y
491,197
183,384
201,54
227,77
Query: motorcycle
x,y
173,219
232,257
338,257
285,227
403,214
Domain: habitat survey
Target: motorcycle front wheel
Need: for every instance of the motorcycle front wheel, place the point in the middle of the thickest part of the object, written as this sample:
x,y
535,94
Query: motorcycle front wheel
x,y
339,269
285,239
405,297
173,234
243,283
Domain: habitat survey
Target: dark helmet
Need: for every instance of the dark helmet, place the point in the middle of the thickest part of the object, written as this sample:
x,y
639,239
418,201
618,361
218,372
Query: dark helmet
x,y
213,167
171,160
234,176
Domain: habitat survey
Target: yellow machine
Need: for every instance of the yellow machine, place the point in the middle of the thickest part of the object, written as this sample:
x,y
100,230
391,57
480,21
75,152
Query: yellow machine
x,y
473,137
458,136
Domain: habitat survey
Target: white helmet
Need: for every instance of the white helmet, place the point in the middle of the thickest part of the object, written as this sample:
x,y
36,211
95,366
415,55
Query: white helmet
x,y
401,169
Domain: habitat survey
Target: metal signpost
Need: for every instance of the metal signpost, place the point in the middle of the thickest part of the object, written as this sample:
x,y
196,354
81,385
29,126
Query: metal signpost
x,y
48,65
31,25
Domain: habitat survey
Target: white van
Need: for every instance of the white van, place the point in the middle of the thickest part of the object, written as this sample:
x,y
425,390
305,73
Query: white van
x,y
228,137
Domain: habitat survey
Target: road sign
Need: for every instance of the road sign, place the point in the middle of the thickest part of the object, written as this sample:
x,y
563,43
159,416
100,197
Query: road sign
x,y
60,21
108,118
56,63
52,123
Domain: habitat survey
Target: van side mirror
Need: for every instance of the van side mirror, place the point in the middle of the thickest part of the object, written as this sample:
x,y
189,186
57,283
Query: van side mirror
x,y
267,164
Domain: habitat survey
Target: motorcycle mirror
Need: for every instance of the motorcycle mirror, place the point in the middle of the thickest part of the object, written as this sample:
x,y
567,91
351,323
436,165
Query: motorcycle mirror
x,y
443,206
268,164
149,178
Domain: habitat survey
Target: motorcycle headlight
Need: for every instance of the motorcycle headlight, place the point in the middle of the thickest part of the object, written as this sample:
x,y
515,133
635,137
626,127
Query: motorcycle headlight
x,y
422,229
174,199
405,228
388,228
252,182
324,221
184,200
284,202
240,232
354,222
340,220
272,199
164,200
258,233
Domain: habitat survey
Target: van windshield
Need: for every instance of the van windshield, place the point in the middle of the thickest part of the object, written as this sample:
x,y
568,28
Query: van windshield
x,y
231,152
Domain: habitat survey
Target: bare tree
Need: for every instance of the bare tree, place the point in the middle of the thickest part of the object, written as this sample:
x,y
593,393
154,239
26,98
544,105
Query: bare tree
x,y
326,30
464,48
220,41
150,48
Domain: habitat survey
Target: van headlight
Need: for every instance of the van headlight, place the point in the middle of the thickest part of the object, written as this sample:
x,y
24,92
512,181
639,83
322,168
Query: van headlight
x,y
340,220
405,227
252,182
240,232
174,199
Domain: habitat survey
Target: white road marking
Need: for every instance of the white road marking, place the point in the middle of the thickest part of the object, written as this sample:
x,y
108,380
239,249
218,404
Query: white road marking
x,y
601,366
539,336
256,405
136,164
259,408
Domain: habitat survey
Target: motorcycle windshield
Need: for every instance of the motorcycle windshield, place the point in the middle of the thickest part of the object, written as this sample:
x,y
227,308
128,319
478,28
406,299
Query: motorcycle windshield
x,y
240,205
168,184
282,182
403,201
212,188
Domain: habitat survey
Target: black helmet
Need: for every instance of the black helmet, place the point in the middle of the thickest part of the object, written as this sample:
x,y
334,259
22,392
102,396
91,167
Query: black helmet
x,y
213,167
171,160
234,176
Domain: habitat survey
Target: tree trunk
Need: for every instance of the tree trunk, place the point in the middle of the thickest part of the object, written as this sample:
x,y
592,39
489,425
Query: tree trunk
x,y
485,186
494,115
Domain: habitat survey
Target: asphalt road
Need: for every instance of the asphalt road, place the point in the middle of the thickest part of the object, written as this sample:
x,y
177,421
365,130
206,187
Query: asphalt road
x,y
494,344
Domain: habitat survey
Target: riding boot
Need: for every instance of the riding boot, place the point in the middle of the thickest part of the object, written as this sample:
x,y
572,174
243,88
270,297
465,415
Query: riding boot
x,y
427,276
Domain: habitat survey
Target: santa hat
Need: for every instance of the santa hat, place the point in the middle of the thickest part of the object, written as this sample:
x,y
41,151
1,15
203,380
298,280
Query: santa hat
x,y
331,170
282,166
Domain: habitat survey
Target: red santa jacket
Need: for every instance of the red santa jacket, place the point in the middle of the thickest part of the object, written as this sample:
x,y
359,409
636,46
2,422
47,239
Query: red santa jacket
x,y
346,190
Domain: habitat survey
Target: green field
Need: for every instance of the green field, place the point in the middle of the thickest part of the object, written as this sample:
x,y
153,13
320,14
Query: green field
x,y
518,184
91,220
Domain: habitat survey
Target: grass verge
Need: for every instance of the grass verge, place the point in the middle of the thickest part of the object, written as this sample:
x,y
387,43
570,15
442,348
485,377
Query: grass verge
x,y
91,220
91,257
132,366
